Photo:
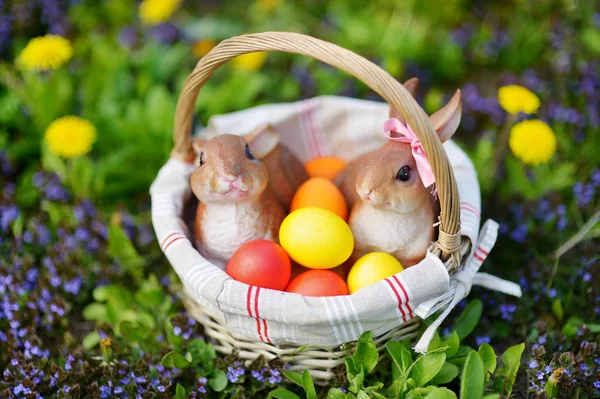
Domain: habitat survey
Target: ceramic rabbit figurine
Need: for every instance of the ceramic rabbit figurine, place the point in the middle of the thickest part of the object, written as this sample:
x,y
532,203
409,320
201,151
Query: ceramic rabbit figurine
x,y
286,172
346,179
396,211
235,205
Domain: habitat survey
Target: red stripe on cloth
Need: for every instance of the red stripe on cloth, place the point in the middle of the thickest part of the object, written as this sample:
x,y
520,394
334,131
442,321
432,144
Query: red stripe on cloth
x,y
248,307
313,128
266,331
257,315
486,253
172,241
397,298
167,237
467,209
478,257
306,127
405,295
471,207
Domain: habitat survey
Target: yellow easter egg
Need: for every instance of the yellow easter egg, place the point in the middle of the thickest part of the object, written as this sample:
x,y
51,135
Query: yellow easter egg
x,y
371,268
316,238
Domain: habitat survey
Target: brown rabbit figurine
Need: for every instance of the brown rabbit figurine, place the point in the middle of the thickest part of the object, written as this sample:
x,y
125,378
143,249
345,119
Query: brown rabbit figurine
x,y
235,204
286,172
346,179
396,211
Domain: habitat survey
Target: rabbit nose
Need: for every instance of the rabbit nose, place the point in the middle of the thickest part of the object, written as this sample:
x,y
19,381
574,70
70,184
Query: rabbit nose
x,y
229,182
366,195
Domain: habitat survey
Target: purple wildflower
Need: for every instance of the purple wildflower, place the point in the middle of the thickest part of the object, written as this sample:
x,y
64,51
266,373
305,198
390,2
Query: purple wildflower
x,y
234,373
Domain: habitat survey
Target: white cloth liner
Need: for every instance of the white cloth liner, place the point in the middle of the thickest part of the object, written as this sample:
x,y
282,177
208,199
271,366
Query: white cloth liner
x,y
346,128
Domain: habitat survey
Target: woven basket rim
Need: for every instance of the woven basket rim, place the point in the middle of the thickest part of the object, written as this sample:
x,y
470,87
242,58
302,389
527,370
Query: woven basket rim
x,y
448,246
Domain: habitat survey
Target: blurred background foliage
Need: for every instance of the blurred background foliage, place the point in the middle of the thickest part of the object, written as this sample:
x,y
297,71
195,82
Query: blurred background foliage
x,y
125,76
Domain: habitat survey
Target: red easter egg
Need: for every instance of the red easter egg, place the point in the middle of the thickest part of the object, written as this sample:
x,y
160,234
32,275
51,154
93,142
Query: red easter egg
x,y
318,282
261,263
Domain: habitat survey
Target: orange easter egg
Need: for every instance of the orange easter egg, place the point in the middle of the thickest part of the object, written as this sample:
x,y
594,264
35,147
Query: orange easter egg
x,y
320,193
327,167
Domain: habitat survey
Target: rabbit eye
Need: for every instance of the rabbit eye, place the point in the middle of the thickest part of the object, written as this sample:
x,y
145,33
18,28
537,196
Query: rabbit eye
x,y
201,158
403,173
249,153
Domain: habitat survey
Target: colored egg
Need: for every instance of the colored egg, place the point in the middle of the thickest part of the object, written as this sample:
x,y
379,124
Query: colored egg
x,y
260,263
316,238
327,167
371,268
318,283
320,193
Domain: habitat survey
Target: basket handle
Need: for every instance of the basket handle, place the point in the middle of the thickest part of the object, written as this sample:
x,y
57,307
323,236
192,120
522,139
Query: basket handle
x,y
449,240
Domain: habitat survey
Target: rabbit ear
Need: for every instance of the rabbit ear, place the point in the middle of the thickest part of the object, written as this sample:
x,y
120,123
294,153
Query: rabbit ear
x,y
446,120
262,140
411,85
197,144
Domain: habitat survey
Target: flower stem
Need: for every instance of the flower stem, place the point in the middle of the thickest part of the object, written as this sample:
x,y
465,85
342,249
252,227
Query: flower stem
x,y
580,235
502,145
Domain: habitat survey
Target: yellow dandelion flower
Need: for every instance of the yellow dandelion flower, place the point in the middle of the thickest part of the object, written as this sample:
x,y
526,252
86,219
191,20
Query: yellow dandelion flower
x,y
250,61
46,52
532,141
202,47
153,12
515,99
269,4
70,136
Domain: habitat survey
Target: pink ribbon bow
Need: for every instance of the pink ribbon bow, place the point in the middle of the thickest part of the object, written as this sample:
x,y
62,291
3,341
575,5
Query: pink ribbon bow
x,y
423,165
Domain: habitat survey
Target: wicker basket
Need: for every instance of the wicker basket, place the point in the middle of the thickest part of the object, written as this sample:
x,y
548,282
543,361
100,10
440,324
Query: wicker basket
x,y
451,251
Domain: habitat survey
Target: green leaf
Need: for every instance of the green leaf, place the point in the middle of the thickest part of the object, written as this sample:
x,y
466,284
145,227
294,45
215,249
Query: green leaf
x,y
492,396
121,248
488,357
308,385
91,340
81,174
471,385
355,381
365,355
468,320
362,395
397,387
296,378
451,342
175,359
201,353
335,393
114,294
96,312
218,382
594,328
590,37
285,394
441,393
420,392
179,392
150,293
448,373
133,332
557,309
427,367
401,357
54,163
511,360
27,194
